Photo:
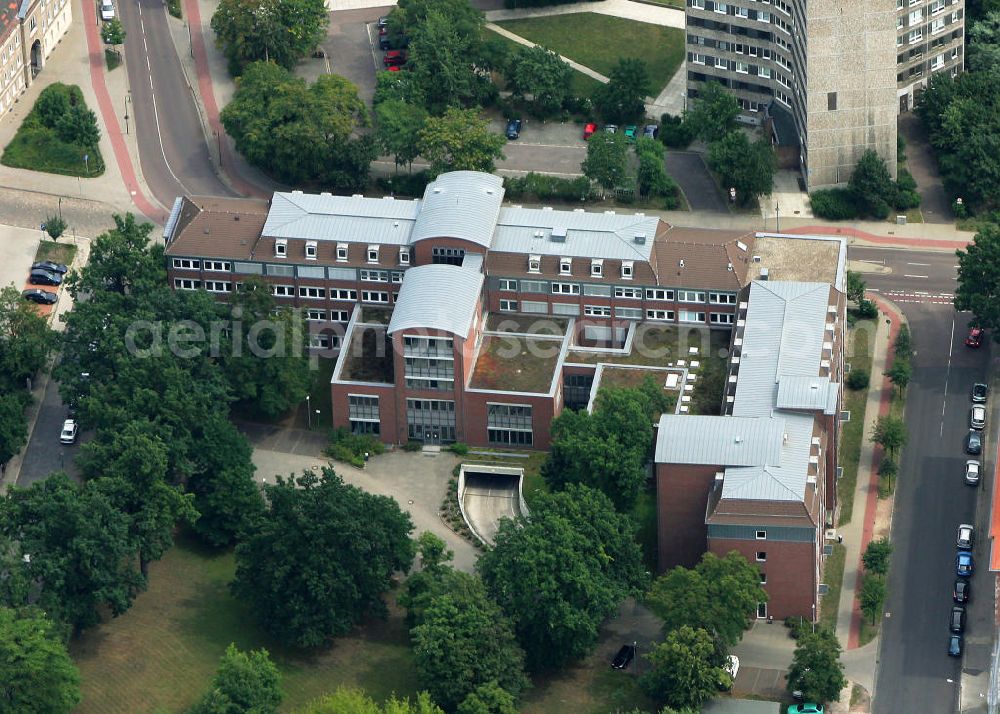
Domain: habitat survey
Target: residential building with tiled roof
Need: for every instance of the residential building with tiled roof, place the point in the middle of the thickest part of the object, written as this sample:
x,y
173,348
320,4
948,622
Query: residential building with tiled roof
x,y
29,31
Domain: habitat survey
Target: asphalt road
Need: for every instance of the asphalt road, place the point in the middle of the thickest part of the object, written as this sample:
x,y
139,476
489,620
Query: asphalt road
x,y
487,499
689,171
44,454
915,673
173,151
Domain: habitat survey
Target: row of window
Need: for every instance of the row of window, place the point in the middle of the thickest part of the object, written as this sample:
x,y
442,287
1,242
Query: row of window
x,y
627,269
625,313
315,315
288,271
342,251
618,291
311,293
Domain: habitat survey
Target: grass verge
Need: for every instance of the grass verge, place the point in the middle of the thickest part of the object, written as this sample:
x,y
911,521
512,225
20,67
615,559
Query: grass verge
x,y
161,654
833,576
56,252
39,147
860,338
599,41
580,84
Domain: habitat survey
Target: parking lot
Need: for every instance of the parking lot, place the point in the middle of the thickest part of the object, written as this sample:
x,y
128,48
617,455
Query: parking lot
x,y
17,250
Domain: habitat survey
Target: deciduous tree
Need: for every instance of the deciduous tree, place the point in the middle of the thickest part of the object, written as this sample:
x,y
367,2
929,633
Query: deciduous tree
x,y
900,373
540,73
348,700
489,698
557,611
623,99
322,558
607,159
244,682
855,287
36,672
79,549
279,31
872,185
713,113
681,672
816,670
460,140
876,556
25,340
890,433
747,167
112,32
984,43
979,278
399,124
872,596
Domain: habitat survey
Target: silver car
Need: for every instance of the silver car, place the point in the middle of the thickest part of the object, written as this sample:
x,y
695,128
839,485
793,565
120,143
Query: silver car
x,y
972,472
977,418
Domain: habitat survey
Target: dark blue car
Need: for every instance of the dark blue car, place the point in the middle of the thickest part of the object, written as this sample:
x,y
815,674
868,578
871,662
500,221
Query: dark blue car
x,y
964,565
955,646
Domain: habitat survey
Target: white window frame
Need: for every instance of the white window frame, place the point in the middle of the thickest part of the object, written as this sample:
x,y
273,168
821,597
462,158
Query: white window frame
x,y
721,298
280,248
283,290
760,535
565,266
508,306
721,318
404,255
312,250
624,293
218,286
186,284
534,263
565,288
507,285
659,294
597,310
217,266
761,556
186,264
314,315
691,296
375,296
660,315
628,270
340,315
691,316
343,294
372,254
374,276
312,293
342,252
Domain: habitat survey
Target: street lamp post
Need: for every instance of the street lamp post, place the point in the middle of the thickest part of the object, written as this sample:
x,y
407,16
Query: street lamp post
x,y
126,113
309,412
814,618
777,219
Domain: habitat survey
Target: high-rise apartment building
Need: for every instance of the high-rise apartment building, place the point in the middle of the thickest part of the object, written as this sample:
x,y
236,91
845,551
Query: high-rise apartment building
x,y
832,76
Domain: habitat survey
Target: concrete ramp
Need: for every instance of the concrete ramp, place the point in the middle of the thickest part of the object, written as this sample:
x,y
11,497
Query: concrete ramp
x,y
487,494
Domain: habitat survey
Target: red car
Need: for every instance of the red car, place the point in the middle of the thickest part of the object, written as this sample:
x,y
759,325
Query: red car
x,y
588,130
975,338
394,58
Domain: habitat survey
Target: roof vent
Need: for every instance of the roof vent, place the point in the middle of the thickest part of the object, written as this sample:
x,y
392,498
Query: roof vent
x,y
578,210
784,438
357,195
640,215
639,239
558,235
813,385
395,224
764,274
546,208
756,259
609,213
236,217
437,189
243,241
680,264
489,191
388,198
741,245
738,439
539,234
297,191
326,193
205,230
729,267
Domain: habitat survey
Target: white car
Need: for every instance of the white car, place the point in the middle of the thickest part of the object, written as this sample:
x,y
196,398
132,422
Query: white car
x,y
965,535
69,432
972,472
732,668
977,419
107,10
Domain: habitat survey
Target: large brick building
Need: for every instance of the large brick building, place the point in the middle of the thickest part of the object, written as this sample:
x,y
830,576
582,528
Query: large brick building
x,y
455,318
29,31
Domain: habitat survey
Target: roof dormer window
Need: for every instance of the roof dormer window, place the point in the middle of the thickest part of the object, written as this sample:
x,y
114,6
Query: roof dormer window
x,y
280,248
597,268
404,255
627,269
373,254
534,263
565,266
311,250
342,252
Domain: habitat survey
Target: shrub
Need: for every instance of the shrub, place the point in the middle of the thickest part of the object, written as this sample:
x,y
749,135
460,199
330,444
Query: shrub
x,y
459,448
406,184
905,181
675,132
879,209
959,209
413,446
351,448
858,379
907,199
544,187
174,8
835,204
867,310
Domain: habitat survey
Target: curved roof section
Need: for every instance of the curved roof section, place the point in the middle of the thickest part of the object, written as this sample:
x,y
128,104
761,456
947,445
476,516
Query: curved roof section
x,y
437,297
460,204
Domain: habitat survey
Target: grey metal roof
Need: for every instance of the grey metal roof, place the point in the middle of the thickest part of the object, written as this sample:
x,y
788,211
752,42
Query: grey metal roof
x,y
768,483
460,204
722,441
348,219
784,335
437,297
805,392
589,235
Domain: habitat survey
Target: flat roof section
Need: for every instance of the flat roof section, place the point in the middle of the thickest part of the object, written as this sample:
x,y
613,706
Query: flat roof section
x,y
631,377
369,356
511,363
657,345
807,259
526,324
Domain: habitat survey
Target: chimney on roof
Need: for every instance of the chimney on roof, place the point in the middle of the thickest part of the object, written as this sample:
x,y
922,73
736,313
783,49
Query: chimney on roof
x,y
639,238
738,439
764,273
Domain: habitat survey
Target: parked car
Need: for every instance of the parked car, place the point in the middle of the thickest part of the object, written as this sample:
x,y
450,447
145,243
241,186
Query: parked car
x,y
972,472
624,657
44,277
393,69
651,131
977,417
955,646
965,536
964,565
974,443
589,130
383,21
956,623
394,58
513,128
975,338
62,270
979,392
611,128
961,592
732,668
68,433
107,10
383,30
630,133
40,297
806,709
383,43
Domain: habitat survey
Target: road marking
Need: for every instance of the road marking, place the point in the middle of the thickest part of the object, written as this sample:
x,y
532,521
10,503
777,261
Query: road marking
x,y
947,375
922,265
914,276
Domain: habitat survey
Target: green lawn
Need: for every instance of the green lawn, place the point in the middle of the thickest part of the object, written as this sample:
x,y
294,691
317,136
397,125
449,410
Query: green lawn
x,y
599,41
56,252
853,431
38,147
161,654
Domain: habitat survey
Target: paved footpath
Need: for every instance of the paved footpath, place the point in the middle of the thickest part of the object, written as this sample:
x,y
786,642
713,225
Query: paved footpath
x,y
641,12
